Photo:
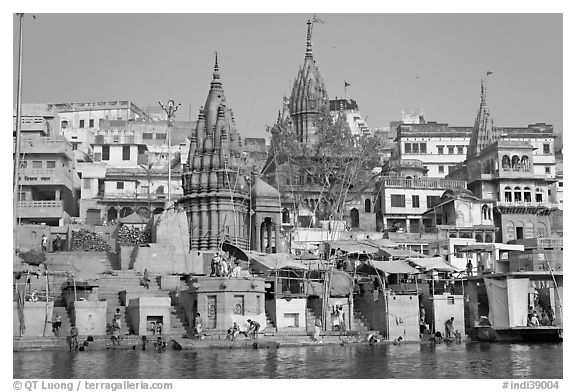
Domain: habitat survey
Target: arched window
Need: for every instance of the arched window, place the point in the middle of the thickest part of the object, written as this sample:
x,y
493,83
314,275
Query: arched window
x,y
112,213
354,218
507,194
517,194
367,205
505,162
143,211
479,238
488,238
285,216
124,212
527,195
528,230
485,210
525,163
539,195
515,162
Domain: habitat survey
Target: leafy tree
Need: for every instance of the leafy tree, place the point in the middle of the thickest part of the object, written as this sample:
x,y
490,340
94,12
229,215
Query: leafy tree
x,y
334,169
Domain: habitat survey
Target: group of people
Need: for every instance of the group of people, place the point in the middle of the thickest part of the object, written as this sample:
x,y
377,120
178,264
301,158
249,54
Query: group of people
x,y
338,318
545,318
225,265
253,328
156,327
58,243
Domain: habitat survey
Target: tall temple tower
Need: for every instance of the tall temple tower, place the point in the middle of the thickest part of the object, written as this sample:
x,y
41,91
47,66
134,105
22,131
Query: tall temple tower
x,y
216,193
484,133
309,97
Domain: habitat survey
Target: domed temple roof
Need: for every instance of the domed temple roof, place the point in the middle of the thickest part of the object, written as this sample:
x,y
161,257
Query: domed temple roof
x,y
264,190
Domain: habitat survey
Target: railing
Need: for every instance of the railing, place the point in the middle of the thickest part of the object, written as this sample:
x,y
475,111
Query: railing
x,y
40,203
525,204
430,183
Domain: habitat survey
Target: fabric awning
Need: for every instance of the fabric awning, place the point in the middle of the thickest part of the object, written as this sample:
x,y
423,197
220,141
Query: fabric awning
x,y
353,247
393,267
235,251
400,253
477,247
273,261
432,263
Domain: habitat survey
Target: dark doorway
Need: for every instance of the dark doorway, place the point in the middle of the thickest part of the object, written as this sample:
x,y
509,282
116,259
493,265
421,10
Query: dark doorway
x,y
519,233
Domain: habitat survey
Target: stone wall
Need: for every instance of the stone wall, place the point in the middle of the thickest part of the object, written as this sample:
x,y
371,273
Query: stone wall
x,y
289,313
36,315
139,309
90,317
403,317
444,308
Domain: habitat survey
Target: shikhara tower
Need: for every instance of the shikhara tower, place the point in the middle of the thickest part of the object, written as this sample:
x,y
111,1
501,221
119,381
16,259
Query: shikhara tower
x,y
216,193
309,97
484,133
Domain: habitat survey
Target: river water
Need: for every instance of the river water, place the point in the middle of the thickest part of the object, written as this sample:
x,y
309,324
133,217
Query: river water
x,y
411,361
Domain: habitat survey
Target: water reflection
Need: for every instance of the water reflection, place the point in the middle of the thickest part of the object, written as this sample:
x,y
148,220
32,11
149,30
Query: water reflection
x,y
474,360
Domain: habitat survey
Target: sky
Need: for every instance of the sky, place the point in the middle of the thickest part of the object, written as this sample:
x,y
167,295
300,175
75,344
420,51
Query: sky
x,y
393,62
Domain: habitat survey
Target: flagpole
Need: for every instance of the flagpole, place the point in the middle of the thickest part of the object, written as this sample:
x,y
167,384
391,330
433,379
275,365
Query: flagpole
x,y
16,181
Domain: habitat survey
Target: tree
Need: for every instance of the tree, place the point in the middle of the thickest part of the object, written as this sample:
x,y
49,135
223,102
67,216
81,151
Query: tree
x,y
333,170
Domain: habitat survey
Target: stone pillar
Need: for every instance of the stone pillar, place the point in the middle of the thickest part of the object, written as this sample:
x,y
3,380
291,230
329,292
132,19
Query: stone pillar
x,y
214,229
269,234
278,241
407,225
257,232
58,196
204,225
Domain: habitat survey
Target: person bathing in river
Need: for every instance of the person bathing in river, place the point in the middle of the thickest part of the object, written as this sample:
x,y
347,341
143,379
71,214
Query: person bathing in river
x,y
449,327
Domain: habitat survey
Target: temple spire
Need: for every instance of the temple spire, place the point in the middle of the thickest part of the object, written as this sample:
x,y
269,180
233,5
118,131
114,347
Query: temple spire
x,y
309,40
216,74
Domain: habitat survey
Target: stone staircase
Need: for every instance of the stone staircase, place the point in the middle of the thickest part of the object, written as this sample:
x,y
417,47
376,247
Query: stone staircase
x,y
66,324
270,326
110,286
360,321
179,325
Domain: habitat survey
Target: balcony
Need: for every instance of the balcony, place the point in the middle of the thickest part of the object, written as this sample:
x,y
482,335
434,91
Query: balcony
x,y
40,209
526,207
45,145
32,124
422,183
54,177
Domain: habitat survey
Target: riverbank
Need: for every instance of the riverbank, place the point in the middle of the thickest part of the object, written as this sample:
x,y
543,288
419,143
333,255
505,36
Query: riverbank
x,y
134,342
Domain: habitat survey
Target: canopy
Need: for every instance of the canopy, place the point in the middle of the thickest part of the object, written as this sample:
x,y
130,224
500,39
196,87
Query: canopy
x,y
477,247
353,247
400,253
235,251
273,261
393,267
432,263
381,242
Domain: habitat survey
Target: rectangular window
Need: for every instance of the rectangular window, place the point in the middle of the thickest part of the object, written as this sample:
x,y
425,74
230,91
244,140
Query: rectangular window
x,y
147,135
119,185
86,183
415,148
91,123
81,124
441,169
64,124
75,146
408,148
560,184
415,201
451,150
125,153
460,150
546,148
97,157
37,164
547,169
398,201
422,148
160,136
293,319
105,153
50,164
440,150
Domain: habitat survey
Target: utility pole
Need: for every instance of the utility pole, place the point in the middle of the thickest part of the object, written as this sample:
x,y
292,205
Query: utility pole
x,y
16,181
170,112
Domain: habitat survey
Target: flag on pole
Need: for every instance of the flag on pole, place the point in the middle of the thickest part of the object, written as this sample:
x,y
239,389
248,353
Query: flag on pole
x,y
316,19
489,73
346,84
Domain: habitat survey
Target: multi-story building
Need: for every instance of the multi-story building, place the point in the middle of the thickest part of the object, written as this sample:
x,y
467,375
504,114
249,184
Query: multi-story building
x,y
438,146
501,168
48,181
405,194
78,121
349,109
126,177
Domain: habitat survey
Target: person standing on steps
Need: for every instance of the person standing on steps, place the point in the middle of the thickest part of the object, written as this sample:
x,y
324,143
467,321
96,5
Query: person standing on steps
x,y
56,324
146,279
118,317
73,337
317,329
198,326
44,243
